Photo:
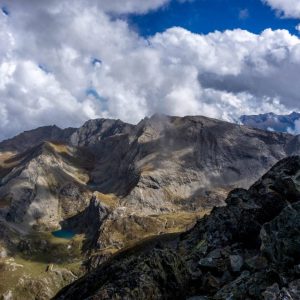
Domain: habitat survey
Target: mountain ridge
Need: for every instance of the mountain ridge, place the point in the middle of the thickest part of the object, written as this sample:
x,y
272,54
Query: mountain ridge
x,y
114,184
164,156
55,133
30,138
273,122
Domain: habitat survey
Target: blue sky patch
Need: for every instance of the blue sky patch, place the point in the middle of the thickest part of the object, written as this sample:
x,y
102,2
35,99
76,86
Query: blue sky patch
x,y
5,10
44,68
96,61
92,92
204,16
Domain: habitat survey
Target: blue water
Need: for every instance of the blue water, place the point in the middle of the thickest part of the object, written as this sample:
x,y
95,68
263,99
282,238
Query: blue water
x,y
64,234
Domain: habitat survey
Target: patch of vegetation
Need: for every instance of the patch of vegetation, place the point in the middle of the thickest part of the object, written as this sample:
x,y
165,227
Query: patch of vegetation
x,y
7,163
41,266
109,200
147,168
46,248
60,148
128,230
181,221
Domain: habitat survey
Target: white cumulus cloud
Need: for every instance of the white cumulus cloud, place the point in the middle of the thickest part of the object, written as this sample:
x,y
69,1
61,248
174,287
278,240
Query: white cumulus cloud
x,y
64,62
109,6
285,8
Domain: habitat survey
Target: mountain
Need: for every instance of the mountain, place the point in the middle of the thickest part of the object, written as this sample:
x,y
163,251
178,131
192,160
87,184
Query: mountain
x,y
248,249
272,122
31,138
114,184
39,182
161,165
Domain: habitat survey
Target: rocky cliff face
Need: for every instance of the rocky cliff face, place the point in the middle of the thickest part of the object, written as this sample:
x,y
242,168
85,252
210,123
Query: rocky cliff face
x,y
93,131
246,250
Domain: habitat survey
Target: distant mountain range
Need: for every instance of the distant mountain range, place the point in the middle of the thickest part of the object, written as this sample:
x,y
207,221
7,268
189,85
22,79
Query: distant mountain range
x,y
272,122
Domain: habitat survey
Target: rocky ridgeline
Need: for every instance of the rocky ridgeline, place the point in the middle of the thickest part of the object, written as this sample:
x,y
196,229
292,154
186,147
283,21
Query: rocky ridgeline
x,y
31,138
248,249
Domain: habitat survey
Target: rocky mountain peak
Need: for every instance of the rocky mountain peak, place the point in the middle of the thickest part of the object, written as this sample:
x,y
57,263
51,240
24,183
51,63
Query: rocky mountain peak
x,y
93,131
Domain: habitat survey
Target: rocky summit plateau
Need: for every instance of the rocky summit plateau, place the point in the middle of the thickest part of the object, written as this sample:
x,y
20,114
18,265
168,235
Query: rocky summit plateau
x,y
143,211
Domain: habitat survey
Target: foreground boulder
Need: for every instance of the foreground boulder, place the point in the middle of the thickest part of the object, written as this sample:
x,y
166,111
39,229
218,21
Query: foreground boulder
x,y
246,250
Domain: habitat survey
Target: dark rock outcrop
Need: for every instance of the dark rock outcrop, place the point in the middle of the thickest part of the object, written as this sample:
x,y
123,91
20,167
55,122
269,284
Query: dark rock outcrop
x,y
246,250
88,223
93,131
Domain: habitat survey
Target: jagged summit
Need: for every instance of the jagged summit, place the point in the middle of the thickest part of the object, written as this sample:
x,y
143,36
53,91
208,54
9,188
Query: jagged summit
x,y
94,131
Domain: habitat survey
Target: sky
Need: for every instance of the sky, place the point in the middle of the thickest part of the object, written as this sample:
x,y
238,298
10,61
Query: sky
x,y
63,62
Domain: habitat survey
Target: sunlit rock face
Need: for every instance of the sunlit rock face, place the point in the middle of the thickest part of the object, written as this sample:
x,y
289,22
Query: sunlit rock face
x,y
42,186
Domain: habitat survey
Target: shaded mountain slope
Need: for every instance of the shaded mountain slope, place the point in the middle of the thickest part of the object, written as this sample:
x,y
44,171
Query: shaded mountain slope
x,y
246,250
